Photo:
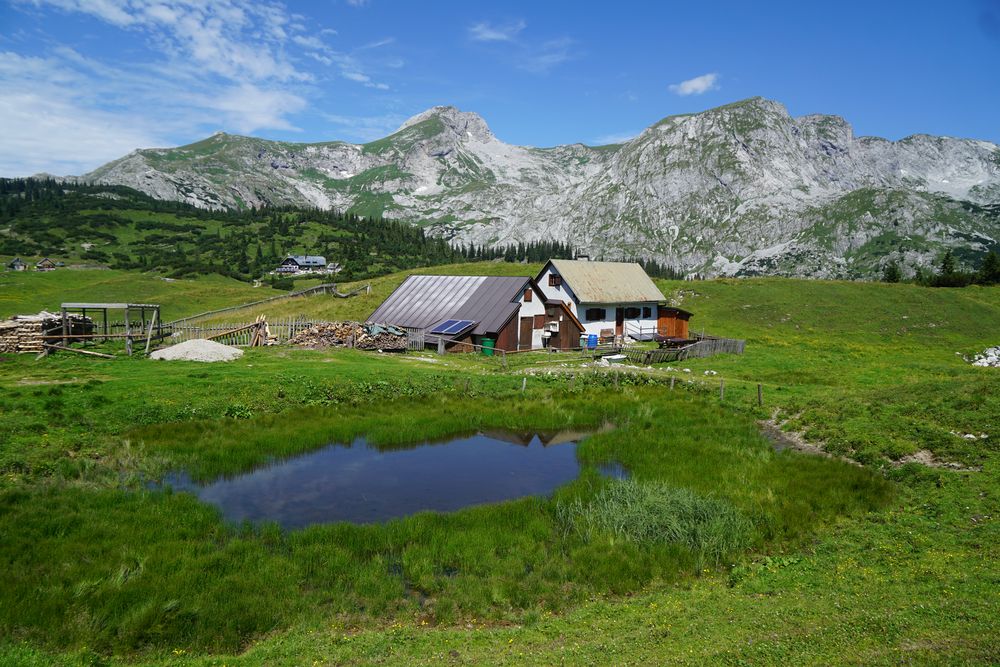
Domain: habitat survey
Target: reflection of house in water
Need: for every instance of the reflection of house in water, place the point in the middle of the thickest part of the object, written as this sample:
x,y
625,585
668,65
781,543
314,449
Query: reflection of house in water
x,y
545,438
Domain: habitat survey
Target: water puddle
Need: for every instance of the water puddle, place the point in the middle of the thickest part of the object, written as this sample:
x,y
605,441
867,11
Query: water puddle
x,y
361,483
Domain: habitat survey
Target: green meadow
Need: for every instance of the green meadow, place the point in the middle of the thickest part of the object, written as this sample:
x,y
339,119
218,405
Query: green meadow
x,y
716,549
23,292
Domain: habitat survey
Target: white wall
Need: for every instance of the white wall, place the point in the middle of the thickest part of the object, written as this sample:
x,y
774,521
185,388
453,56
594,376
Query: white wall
x,y
647,324
560,293
529,309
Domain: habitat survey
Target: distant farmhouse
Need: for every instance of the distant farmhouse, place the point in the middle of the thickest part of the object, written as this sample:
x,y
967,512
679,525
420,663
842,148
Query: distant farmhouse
x,y
615,300
295,264
17,264
45,264
612,299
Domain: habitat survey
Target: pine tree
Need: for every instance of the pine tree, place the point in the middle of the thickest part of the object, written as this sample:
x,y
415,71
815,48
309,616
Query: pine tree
x,y
891,273
989,272
947,265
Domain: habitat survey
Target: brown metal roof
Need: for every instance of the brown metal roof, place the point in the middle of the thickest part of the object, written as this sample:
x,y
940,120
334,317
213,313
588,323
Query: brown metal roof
x,y
607,282
423,301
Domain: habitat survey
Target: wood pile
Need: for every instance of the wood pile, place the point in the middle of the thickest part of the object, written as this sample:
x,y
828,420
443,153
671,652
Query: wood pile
x,y
24,333
352,334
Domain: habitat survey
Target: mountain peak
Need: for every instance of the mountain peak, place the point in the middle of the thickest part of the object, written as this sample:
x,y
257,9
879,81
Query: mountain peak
x,y
462,123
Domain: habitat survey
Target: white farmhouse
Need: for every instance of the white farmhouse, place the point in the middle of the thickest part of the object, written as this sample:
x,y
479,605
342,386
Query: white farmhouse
x,y
306,264
608,298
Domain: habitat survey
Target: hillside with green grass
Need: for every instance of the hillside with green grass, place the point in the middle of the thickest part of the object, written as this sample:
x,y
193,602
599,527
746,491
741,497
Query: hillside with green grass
x,y
24,292
882,553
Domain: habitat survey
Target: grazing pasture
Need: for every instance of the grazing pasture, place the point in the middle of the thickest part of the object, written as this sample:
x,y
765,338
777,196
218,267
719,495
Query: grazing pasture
x,y
716,548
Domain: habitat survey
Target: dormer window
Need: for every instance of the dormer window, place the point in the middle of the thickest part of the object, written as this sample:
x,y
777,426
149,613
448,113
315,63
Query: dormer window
x,y
555,280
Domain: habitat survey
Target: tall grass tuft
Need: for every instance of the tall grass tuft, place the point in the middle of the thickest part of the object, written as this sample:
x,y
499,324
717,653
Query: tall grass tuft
x,y
653,513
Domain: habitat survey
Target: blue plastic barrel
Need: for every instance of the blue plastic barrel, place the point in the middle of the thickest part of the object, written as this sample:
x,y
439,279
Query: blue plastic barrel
x,y
592,341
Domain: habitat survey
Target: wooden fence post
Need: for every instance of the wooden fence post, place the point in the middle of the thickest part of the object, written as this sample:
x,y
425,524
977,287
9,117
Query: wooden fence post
x,y
760,395
672,380
524,384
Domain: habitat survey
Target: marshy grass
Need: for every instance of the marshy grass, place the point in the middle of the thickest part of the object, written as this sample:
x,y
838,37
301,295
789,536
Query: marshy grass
x,y
654,513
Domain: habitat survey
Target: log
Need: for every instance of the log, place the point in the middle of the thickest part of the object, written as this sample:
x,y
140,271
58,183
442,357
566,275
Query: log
x,y
50,346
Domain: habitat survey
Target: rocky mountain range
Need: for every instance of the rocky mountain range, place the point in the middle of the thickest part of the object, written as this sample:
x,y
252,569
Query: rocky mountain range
x,y
742,189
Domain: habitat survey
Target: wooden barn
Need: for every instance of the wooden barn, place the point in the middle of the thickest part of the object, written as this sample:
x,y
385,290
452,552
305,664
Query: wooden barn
x,y
672,322
465,311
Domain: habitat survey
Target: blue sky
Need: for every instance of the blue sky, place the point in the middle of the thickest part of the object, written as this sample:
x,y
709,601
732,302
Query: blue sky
x,y
85,81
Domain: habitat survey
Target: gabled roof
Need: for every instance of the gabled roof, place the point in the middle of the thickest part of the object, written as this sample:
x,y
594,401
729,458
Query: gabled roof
x,y
307,260
423,301
606,282
566,310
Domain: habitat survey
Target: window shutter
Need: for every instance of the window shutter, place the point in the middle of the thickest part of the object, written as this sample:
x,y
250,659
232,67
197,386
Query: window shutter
x,y
527,295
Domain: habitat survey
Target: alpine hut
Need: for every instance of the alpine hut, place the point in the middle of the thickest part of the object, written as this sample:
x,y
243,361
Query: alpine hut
x,y
464,313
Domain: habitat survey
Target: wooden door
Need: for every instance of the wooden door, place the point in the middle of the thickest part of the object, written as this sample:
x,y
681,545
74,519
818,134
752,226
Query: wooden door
x,y
619,321
524,339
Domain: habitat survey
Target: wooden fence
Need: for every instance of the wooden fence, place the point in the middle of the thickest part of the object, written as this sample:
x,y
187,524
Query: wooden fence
x,y
241,336
710,345
415,339
705,346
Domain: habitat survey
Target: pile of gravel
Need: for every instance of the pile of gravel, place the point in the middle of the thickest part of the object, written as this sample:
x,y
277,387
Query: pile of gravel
x,y
990,358
198,350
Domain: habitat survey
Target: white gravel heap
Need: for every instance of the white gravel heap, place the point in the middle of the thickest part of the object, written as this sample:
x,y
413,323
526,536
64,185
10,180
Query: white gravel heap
x,y
198,349
990,358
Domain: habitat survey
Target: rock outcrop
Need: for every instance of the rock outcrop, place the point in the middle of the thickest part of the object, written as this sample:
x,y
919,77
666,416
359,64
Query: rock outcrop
x,y
742,189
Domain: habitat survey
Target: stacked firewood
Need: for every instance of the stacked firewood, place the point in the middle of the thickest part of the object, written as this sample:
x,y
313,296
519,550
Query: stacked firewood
x,y
383,338
352,334
25,333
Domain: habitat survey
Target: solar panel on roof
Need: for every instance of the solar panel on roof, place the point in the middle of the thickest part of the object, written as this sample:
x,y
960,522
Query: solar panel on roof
x,y
459,325
452,327
442,326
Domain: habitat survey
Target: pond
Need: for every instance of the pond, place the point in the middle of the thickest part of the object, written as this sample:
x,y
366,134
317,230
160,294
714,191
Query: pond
x,y
362,483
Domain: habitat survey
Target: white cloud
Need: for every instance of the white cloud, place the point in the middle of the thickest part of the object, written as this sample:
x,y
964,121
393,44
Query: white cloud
x,y
385,41
247,107
696,86
485,31
210,64
614,138
309,42
544,57
48,127
528,55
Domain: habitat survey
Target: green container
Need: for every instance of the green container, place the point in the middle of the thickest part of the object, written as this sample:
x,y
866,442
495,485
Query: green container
x,y
488,344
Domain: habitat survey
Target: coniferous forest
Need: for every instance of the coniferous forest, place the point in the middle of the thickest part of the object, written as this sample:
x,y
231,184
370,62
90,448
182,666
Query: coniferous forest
x,y
121,228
